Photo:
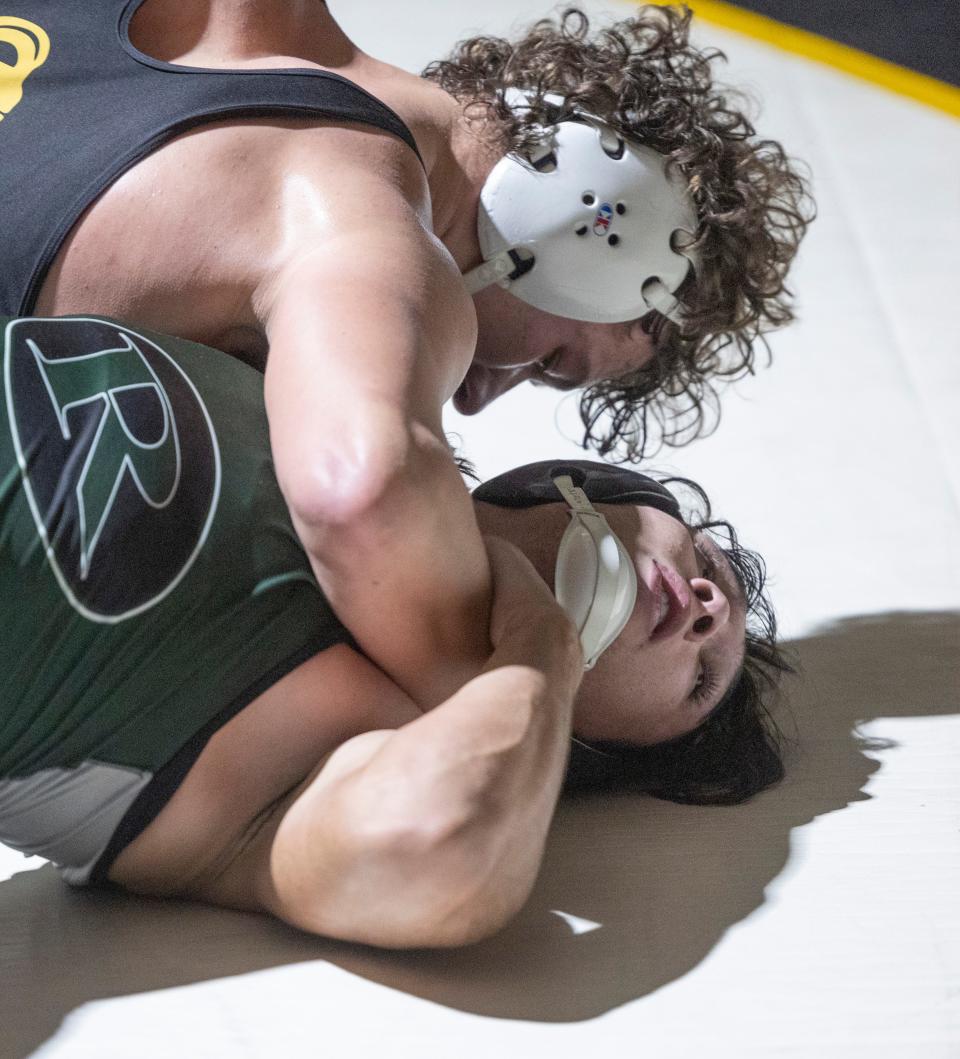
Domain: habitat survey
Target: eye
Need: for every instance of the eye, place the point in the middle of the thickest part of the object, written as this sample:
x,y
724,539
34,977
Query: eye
x,y
708,568
550,372
549,364
705,686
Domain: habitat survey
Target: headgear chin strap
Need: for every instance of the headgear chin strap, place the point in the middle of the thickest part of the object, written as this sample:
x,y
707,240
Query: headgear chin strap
x,y
585,228
595,579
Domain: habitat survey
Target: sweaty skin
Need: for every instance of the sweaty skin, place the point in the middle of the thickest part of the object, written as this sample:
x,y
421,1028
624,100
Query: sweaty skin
x,y
249,253
263,268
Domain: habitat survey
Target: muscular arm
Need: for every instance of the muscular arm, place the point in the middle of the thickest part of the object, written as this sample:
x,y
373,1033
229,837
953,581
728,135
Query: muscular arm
x,y
369,334
431,834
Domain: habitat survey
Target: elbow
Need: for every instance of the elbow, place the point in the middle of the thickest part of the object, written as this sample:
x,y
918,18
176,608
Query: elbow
x,y
468,923
450,933
451,886
340,481
429,884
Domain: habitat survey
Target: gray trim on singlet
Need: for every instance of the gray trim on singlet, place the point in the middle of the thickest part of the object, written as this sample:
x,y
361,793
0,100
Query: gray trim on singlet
x,y
68,815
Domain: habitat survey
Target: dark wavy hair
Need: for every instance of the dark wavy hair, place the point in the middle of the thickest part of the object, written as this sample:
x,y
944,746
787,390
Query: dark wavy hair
x,y
737,751
642,76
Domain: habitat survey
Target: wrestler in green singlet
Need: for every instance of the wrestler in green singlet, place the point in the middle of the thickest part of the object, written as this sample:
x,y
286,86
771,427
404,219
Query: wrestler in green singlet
x,y
151,583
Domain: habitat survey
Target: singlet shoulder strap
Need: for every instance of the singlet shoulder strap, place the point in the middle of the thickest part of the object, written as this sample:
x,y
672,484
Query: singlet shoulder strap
x,y
342,98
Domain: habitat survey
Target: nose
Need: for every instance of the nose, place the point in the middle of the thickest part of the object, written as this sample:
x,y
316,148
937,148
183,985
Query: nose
x,y
709,610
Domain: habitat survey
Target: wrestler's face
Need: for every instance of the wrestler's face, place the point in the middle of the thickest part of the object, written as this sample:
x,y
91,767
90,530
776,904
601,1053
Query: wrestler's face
x,y
683,644
517,342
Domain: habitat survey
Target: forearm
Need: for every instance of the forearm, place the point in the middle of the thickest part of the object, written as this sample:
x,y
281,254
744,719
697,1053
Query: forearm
x,y
497,747
407,573
439,826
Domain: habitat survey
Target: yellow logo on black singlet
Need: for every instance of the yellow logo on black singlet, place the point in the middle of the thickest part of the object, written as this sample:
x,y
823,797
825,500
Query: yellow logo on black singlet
x,y
32,46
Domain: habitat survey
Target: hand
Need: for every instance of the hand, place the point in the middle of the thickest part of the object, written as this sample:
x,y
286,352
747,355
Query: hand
x,y
522,600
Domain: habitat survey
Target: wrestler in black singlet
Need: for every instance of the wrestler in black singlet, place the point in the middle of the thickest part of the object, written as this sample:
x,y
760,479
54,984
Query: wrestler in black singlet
x,y
80,105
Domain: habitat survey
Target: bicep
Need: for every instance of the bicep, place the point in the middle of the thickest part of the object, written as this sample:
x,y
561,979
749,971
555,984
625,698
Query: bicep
x,y
305,825
429,834
368,334
324,857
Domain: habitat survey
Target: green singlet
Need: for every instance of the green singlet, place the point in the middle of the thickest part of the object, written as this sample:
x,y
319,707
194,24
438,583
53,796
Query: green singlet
x,y
151,583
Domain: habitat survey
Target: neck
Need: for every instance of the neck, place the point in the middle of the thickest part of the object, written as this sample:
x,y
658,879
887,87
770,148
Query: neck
x,y
536,531
474,150
226,31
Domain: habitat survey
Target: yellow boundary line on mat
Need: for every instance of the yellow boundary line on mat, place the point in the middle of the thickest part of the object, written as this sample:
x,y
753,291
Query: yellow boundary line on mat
x,y
851,60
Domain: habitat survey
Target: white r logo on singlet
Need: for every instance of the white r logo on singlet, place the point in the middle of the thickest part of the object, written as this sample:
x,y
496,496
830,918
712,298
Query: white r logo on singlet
x,y
119,459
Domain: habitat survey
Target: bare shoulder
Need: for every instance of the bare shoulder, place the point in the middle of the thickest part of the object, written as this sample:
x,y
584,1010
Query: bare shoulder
x,y
183,240
357,233
224,810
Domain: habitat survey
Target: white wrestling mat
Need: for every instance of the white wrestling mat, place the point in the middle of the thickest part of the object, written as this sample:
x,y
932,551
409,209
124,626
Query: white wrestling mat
x,y
819,921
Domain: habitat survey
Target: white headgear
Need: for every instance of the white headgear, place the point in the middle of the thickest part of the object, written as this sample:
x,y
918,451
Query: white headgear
x,y
585,230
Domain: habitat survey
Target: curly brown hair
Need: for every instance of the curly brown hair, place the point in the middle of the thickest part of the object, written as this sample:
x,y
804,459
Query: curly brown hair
x,y
642,76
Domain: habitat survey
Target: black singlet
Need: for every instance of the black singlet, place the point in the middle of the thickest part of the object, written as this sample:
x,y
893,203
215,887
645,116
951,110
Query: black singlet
x,y
80,105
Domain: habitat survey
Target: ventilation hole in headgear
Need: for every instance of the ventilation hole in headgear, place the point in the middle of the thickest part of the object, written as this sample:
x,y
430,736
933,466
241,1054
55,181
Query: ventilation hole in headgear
x,y
588,198
613,240
545,163
621,209
612,144
581,229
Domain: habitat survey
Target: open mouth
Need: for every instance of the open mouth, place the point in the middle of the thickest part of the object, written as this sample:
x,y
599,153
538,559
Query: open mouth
x,y
672,597
664,608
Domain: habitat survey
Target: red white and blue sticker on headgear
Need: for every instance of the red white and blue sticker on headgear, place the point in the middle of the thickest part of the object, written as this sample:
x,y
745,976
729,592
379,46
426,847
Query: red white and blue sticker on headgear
x,y
603,218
